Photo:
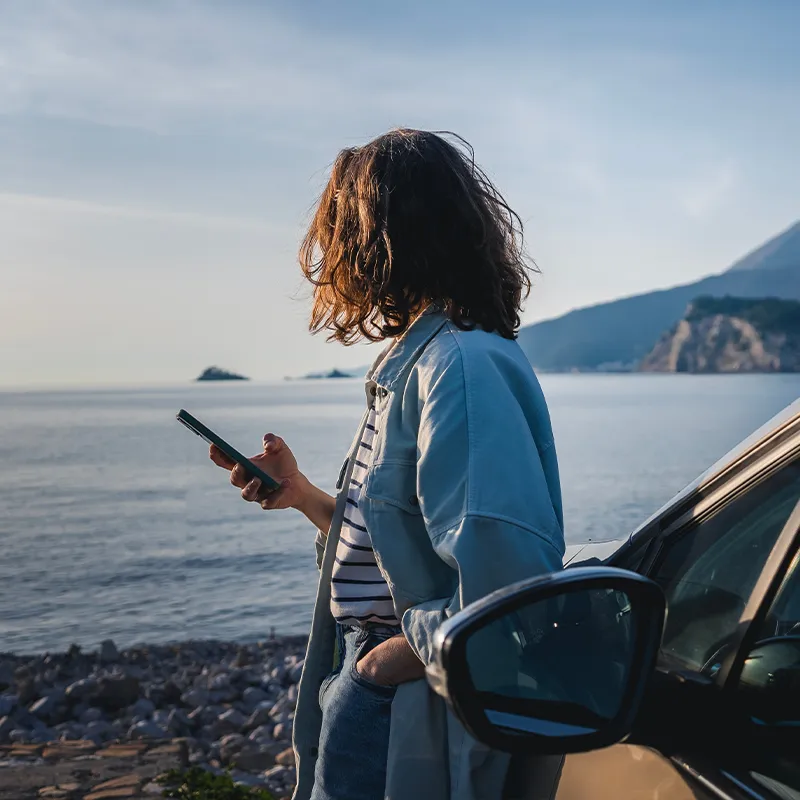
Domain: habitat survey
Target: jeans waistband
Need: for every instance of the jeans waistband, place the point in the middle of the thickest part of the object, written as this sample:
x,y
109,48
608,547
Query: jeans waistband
x,y
379,629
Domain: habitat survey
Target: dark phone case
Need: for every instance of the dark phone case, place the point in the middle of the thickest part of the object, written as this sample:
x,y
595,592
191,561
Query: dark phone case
x,y
197,427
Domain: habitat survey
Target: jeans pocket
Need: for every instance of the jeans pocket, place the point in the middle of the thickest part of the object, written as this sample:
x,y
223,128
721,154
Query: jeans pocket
x,y
379,690
326,684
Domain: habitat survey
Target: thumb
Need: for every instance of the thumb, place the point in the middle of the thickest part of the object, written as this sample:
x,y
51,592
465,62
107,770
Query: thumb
x,y
272,443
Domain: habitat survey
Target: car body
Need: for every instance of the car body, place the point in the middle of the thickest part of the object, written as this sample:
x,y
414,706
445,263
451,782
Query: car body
x,y
719,712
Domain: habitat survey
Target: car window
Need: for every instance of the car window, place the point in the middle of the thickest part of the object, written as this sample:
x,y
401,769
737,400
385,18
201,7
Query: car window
x,y
783,618
769,692
708,571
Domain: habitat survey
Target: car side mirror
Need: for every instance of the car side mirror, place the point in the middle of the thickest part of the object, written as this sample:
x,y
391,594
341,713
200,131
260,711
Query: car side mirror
x,y
555,664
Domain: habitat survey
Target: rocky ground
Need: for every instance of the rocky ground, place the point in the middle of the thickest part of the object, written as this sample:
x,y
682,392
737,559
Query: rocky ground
x,y
229,706
81,769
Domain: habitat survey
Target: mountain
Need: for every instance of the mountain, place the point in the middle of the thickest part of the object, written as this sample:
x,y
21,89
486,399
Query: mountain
x,y
731,334
619,334
778,253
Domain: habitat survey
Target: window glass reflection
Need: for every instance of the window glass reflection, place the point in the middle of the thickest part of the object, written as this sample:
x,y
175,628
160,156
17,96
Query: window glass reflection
x,y
566,659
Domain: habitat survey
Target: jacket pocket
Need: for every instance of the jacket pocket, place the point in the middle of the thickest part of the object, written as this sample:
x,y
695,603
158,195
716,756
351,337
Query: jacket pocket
x,y
406,557
394,482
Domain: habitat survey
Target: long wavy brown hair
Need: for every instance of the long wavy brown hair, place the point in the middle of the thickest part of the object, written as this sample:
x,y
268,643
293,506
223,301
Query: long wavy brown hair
x,y
407,220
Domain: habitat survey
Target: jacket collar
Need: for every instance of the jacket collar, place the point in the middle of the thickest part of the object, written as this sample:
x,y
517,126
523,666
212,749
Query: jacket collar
x,y
393,364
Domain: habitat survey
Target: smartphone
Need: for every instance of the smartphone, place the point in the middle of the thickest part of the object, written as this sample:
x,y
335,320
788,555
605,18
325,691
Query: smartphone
x,y
197,427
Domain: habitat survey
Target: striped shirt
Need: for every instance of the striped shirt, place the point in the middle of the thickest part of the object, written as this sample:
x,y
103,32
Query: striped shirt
x,y
359,592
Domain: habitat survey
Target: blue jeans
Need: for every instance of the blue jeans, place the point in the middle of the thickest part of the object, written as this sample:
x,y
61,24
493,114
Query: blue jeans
x,y
354,740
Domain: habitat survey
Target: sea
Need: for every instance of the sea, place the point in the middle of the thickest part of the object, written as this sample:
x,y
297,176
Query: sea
x,y
115,524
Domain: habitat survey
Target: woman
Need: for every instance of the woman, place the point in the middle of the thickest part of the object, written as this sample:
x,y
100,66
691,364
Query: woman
x,y
451,488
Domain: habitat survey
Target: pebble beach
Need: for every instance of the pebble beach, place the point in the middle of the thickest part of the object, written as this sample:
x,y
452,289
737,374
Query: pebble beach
x,y
229,705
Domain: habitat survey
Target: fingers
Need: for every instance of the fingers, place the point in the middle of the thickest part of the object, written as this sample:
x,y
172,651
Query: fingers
x,y
219,458
275,499
273,444
251,489
239,477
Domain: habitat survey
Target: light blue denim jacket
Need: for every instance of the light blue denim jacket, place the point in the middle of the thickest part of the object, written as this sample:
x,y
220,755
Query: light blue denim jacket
x,y
462,497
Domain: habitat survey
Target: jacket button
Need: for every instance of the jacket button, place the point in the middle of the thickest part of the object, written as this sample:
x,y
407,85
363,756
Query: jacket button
x,y
414,500
384,392
373,391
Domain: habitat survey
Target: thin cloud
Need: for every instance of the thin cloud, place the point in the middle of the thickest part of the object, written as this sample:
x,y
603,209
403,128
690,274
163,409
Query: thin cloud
x,y
589,177
174,66
708,193
154,66
178,67
63,205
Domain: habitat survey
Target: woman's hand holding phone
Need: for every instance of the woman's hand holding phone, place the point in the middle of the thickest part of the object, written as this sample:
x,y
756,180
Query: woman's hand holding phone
x,y
294,491
278,461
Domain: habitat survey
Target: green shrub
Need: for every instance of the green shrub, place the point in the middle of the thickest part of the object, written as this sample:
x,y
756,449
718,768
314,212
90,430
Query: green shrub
x,y
198,784
765,314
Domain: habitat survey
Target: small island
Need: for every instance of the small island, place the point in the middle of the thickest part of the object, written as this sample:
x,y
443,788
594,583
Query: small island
x,y
731,335
334,373
217,374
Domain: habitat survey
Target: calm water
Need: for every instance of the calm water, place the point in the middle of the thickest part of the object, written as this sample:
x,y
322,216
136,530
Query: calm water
x,y
113,523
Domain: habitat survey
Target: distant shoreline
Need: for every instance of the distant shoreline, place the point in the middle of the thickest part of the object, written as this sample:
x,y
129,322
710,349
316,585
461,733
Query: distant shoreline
x,y
164,386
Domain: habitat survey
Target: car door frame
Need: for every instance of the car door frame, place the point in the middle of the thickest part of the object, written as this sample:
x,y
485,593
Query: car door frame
x,y
645,550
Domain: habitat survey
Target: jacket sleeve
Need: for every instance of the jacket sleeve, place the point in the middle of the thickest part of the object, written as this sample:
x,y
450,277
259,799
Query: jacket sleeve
x,y
488,489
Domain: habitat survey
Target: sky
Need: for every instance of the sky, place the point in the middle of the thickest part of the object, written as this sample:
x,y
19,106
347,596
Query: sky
x,y
159,161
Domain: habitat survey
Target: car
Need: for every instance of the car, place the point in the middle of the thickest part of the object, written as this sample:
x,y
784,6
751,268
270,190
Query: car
x,y
663,666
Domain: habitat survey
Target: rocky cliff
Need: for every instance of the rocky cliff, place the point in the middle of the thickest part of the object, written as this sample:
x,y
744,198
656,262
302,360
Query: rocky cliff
x,y
731,335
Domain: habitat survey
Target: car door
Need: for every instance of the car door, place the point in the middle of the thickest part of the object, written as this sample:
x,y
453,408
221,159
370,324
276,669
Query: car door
x,y
720,562
765,694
